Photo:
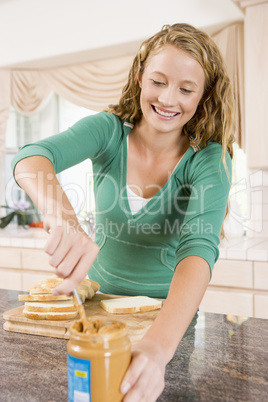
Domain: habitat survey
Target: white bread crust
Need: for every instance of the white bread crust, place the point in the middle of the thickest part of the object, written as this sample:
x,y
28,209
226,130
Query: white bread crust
x,y
130,305
50,306
43,297
50,316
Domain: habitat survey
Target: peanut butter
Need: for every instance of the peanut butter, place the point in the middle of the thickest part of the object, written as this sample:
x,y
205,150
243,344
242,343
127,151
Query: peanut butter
x,y
99,352
86,325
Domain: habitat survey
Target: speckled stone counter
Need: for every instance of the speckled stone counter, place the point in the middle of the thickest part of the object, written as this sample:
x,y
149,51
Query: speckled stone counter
x,y
221,358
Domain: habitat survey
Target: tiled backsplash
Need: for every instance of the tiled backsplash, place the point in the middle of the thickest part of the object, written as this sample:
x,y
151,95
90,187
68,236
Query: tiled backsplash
x,y
20,237
247,249
257,224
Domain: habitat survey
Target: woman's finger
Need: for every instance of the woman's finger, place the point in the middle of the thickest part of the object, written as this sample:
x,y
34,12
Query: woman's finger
x,y
68,263
53,241
135,369
73,243
79,272
148,385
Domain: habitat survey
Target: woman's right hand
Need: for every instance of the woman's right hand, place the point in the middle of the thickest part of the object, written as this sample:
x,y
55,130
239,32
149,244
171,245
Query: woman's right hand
x,y
71,251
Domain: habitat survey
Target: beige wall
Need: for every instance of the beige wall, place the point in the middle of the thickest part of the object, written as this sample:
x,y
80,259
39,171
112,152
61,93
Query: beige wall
x,y
256,108
256,84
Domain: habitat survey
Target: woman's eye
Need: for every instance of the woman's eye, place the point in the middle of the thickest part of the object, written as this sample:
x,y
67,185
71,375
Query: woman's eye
x,y
186,91
158,83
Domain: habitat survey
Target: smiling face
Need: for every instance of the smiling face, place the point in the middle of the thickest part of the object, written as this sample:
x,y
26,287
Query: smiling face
x,y
172,85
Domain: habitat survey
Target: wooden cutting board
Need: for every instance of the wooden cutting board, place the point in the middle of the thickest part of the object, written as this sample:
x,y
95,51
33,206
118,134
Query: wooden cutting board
x,y
137,323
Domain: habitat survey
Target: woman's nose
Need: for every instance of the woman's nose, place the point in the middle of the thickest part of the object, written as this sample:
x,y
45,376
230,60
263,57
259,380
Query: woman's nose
x,y
168,97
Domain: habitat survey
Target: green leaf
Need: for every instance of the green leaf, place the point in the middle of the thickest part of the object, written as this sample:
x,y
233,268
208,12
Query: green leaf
x,y
22,212
22,220
6,220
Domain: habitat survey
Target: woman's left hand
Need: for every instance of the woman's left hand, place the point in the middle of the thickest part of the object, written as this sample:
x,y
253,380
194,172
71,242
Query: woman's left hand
x,y
144,380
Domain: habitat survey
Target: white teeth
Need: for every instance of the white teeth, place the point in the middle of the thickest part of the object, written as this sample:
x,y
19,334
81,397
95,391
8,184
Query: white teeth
x,y
166,114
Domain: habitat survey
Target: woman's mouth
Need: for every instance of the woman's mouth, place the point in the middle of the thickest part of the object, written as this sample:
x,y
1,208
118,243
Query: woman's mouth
x,y
164,113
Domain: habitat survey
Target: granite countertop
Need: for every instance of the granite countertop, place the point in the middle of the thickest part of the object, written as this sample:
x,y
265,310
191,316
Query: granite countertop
x,y
220,358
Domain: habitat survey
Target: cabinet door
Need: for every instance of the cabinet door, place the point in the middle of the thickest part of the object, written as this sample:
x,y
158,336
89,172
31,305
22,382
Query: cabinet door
x,y
36,260
261,275
233,273
227,302
261,306
10,257
10,279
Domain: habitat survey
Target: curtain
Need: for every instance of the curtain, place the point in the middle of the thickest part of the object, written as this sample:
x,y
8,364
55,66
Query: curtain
x,y
92,85
230,41
4,106
28,90
4,111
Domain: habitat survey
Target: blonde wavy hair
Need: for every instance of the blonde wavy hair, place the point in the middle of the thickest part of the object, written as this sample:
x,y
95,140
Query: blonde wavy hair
x,y
214,117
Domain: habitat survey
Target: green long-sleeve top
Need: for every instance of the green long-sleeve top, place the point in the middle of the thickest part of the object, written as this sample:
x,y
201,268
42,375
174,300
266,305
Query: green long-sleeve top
x,y
138,254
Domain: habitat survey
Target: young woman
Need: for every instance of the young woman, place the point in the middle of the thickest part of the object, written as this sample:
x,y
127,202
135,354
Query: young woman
x,y
162,171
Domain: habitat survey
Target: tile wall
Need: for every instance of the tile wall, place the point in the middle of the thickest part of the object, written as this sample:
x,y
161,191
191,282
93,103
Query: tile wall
x,y
257,222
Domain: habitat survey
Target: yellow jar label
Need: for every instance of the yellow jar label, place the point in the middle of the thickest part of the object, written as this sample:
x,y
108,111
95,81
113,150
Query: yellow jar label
x,y
82,374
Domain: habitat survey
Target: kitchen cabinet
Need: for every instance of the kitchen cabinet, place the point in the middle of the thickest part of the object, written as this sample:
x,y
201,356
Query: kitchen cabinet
x,y
261,306
21,267
238,287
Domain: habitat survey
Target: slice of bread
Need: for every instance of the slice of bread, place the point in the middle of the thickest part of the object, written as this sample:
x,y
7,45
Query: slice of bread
x,y
43,297
86,287
50,306
50,316
45,285
94,285
128,305
90,287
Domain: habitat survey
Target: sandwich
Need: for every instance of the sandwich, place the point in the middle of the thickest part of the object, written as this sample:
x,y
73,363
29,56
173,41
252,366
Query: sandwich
x,y
41,304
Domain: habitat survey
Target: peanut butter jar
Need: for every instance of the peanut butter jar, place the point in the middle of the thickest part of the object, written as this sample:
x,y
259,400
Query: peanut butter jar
x,y
98,357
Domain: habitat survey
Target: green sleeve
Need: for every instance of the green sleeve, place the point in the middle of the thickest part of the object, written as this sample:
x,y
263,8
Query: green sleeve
x,y
95,137
208,188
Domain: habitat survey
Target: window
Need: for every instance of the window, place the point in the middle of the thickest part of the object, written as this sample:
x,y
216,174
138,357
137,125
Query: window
x,y
238,192
236,223
57,115
21,130
77,182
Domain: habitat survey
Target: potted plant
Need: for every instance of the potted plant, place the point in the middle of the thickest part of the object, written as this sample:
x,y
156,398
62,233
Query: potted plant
x,y
24,212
